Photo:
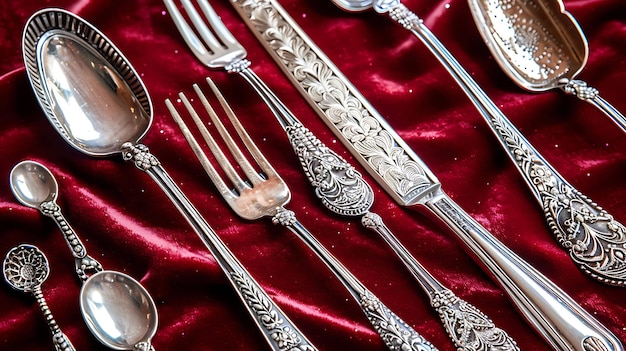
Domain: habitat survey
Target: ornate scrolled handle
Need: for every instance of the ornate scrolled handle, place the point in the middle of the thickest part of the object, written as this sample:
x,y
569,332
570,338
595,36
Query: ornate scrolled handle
x,y
595,241
83,263
562,322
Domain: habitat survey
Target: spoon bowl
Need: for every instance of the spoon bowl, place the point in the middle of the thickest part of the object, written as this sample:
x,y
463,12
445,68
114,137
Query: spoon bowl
x,y
86,87
118,311
25,268
33,184
540,46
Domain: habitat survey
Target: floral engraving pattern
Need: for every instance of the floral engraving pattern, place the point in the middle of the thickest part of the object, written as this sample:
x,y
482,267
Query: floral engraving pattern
x,y
467,326
594,239
340,187
376,143
396,334
281,332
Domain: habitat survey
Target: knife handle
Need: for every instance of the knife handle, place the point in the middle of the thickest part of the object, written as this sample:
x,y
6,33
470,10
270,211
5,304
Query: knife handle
x,y
555,315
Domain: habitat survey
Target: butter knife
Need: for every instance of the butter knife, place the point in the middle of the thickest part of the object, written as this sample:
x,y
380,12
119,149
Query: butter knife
x,y
563,323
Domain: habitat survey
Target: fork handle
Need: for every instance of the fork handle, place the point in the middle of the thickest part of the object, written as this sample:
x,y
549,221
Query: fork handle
x,y
283,114
468,327
277,328
395,332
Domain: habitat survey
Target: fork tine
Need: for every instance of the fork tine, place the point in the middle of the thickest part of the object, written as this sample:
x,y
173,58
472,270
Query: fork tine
x,y
242,160
200,26
221,186
192,40
256,154
218,26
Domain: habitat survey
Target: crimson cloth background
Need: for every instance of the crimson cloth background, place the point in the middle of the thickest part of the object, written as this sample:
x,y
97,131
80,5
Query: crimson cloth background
x,y
129,225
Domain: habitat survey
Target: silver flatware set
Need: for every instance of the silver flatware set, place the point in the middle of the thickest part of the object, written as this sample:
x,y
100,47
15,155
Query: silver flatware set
x,y
98,104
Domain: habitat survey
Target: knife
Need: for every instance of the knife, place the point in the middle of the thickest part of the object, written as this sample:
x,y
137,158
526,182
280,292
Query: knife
x,y
563,323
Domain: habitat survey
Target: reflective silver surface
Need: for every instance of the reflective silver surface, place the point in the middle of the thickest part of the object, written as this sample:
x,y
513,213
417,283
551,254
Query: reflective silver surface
x,y
102,109
32,184
118,311
556,316
93,104
123,317
25,268
540,46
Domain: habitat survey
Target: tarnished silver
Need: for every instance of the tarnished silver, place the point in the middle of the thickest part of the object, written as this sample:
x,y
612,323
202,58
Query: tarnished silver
x,y
25,268
595,241
123,316
264,194
396,167
95,99
540,46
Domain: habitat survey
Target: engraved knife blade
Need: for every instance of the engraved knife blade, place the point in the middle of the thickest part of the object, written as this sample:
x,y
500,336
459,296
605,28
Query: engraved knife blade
x,y
563,323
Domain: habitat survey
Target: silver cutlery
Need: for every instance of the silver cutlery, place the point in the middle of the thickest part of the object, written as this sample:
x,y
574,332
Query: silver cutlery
x,y
264,194
540,46
563,323
596,242
342,190
25,268
117,309
96,101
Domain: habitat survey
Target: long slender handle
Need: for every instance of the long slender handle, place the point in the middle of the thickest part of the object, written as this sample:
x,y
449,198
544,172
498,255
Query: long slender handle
x,y
581,90
279,331
467,326
559,319
594,240
59,339
395,332
83,263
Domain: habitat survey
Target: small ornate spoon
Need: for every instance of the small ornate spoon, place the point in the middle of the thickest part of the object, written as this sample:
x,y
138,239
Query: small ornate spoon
x,y
25,269
117,309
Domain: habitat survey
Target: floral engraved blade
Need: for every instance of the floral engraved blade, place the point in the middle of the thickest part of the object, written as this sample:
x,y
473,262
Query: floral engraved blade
x,y
373,142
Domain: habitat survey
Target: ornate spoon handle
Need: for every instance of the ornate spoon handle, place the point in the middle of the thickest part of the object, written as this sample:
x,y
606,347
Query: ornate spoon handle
x,y
83,263
280,333
595,240
60,341
395,332
584,92
467,326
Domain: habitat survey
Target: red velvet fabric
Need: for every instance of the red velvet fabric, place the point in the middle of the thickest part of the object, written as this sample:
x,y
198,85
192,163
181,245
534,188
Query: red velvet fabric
x,y
129,225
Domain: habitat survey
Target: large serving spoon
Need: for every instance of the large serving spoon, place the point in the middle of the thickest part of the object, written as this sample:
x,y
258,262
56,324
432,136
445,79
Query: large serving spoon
x,y
117,309
540,46
94,98
26,268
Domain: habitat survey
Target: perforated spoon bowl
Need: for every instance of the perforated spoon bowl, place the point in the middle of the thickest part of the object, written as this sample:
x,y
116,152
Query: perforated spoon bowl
x,y
540,46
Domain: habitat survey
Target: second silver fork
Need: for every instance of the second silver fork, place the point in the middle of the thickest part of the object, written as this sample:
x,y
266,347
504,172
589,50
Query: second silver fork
x,y
264,195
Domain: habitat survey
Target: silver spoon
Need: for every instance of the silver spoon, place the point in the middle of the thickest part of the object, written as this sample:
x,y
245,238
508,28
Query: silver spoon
x,y
95,99
25,268
540,46
117,309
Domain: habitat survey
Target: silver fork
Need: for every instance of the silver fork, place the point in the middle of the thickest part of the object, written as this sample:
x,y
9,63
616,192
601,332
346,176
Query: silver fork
x,y
353,197
264,195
